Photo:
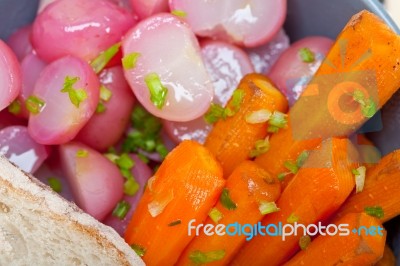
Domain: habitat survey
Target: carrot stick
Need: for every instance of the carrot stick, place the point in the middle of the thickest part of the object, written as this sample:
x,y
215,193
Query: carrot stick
x,y
388,258
232,139
315,193
249,186
381,188
353,249
185,187
365,58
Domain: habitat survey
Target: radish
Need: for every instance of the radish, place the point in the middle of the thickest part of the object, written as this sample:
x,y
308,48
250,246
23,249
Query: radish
x,y
163,66
79,28
64,99
245,22
20,43
146,8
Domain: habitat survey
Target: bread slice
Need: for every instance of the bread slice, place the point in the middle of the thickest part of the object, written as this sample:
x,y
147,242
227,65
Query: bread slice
x,y
38,227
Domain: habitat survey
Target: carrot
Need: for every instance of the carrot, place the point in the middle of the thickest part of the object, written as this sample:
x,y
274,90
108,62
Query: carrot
x,y
381,189
362,248
249,187
185,187
362,68
232,139
388,258
315,193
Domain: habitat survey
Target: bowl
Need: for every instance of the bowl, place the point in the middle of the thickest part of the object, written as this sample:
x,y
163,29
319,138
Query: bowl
x,y
304,18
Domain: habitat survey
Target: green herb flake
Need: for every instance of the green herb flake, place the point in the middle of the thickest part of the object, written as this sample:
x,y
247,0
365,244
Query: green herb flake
x,y
179,13
198,257
260,147
291,166
281,176
215,215
140,251
306,55
293,218
375,211
158,93
237,99
355,172
120,211
214,113
277,120
105,93
15,107
368,106
75,95
175,223
226,200
131,186
111,156
34,104
125,162
304,242
99,63
101,108
129,61
267,207
82,153
302,158
55,184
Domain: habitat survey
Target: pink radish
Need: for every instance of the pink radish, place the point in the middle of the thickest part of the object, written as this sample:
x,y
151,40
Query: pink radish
x,y
292,71
96,182
10,76
142,173
245,22
21,149
7,119
64,99
146,8
111,119
20,43
79,28
163,66
264,57
226,65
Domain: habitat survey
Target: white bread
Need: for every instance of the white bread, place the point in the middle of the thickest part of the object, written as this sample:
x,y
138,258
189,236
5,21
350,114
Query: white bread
x,y
38,227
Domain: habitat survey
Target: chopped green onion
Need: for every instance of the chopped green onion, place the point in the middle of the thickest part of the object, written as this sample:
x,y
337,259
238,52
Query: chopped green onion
x,y
125,162
215,215
55,184
158,93
292,167
359,174
306,55
304,242
179,13
293,218
226,200
15,107
140,251
112,157
121,209
75,95
129,61
368,106
82,153
143,158
131,186
105,93
281,176
237,99
198,257
34,104
162,150
174,223
214,113
301,159
104,57
101,108
375,211
257,117
260,147
267,207
277,121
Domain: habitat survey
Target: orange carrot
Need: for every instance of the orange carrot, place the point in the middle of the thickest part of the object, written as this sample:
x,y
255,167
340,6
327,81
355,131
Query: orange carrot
x,y
388,258
363,68
232,139
249,187
381,189
185,187
315,193
362,248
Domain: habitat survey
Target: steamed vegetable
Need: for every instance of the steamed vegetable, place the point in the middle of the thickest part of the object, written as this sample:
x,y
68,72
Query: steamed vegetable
x,y
234,136
351,249
20,43
185,187
314,194
146,8
249,187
